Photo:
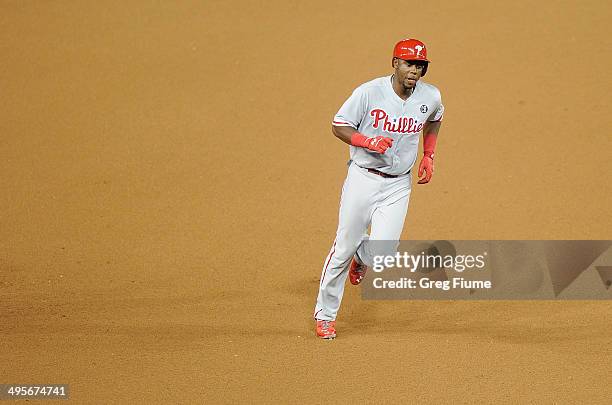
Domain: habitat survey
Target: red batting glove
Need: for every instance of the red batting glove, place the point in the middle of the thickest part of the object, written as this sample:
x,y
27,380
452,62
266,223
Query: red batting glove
x,y
426,166
378,144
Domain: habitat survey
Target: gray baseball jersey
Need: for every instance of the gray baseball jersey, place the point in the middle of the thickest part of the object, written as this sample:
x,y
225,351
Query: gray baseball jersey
x,y
375,109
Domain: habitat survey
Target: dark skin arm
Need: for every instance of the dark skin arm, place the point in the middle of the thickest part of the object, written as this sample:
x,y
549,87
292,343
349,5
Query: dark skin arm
x,y
349,135
343,133
432,127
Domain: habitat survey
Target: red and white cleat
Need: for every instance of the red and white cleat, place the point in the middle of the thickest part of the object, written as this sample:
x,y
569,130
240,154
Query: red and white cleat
x,y
357,271
326,329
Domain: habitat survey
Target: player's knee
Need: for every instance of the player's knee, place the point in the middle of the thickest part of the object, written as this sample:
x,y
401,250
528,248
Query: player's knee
x,y
346,253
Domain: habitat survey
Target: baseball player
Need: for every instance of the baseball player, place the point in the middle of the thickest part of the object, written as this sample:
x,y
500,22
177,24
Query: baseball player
x,y
381,121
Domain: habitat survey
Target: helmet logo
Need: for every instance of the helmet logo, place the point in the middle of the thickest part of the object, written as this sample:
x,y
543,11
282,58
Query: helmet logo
x,y
418,48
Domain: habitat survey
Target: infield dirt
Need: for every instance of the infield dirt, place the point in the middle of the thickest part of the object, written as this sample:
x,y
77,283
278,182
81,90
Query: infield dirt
x,y
169,189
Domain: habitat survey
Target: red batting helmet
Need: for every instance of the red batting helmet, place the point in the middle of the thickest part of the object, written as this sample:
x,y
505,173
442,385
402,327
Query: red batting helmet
x,y
411,49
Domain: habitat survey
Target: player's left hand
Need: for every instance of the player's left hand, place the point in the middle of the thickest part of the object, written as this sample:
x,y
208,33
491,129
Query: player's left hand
x,y
426,166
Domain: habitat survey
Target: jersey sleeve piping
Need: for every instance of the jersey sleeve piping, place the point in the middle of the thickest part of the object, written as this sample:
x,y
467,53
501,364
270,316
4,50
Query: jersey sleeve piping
x,y
342,124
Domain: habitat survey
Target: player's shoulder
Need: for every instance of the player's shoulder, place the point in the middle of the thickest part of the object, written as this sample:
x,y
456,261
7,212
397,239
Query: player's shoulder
x,y
430,89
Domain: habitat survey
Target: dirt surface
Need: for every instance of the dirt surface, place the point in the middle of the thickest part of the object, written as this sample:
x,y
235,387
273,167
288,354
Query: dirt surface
x,y
169,189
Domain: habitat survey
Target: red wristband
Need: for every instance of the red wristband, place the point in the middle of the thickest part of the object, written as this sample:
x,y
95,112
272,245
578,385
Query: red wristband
x,y
429,144
360,140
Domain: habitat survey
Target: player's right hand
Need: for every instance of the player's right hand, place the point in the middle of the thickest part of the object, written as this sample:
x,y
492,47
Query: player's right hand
x,y
379,144
376,144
